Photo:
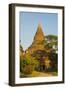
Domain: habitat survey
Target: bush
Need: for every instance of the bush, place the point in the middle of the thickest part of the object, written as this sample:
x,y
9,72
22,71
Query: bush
x,y
28,69
27,64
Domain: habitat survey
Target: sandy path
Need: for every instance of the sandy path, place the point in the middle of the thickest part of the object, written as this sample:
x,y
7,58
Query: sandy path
x,y
44,74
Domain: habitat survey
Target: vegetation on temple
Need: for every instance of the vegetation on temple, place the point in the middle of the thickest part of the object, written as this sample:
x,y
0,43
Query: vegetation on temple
x,y
41,58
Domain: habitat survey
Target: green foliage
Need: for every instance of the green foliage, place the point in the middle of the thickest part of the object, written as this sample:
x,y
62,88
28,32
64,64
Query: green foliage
x,y
51,40
28,64
28,69
49,45
51,37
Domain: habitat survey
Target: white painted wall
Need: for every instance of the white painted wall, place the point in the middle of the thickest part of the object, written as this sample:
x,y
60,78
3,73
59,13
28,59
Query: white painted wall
x,y
4,45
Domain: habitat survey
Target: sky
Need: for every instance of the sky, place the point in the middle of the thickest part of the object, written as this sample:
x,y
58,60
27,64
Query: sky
x,y
28,23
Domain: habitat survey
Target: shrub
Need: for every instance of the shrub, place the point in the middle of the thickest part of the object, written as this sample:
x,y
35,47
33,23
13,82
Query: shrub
x,y
27,64
28,69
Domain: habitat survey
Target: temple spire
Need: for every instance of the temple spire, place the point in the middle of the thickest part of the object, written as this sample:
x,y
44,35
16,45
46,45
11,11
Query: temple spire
x,y
38,40
39,36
